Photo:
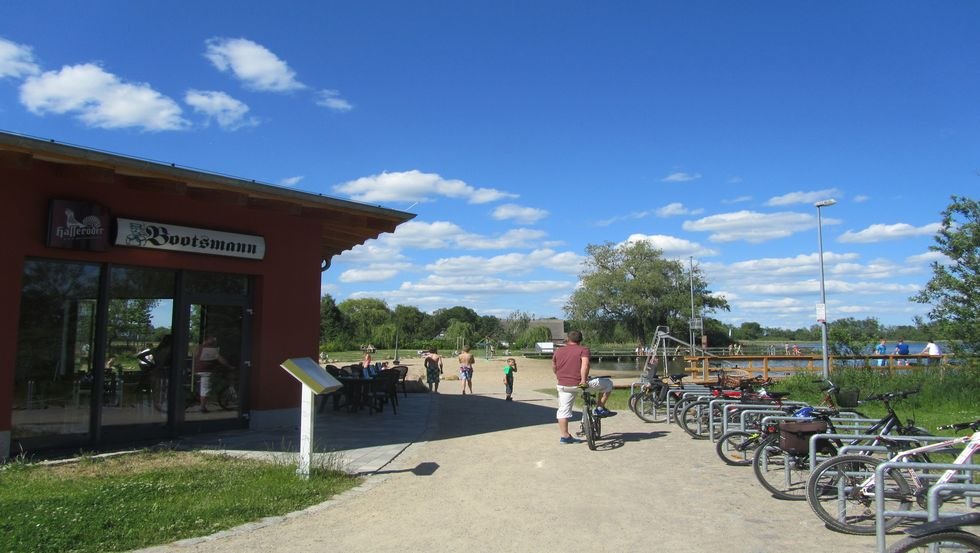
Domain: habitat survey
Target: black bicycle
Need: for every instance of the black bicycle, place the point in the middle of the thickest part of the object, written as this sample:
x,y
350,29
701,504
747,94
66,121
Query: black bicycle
x,y
650,403
591,424
782,459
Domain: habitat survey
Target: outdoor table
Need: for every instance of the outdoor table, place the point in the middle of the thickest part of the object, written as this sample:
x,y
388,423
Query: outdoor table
x,y
357,392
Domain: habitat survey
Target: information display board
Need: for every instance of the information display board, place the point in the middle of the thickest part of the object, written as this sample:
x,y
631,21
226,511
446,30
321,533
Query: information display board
x,y
311,375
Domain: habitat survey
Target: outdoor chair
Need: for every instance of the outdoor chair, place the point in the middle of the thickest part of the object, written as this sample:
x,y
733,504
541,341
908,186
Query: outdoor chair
x,y
402,375
384,390
336,395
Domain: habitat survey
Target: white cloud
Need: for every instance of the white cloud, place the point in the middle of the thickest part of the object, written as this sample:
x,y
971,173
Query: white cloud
x,y
331,99
671,245
738,200
253,64
415,186
291,181
812,286
509,263
801,197
227,111
861,198
514,238
367,274
754,227
477,284
100,99
418,234
681,177
628,217
374,252
927,258
16,60
878,233
521,214
676,208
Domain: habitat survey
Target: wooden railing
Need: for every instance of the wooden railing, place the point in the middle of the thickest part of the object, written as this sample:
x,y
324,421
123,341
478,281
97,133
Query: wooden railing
x,y
760,364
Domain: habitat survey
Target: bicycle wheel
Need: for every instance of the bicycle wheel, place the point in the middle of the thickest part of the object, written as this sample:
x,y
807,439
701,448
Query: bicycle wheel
x,y
588,427
782,474
228,398
649,408
837,494
694,420
736,447
953,540
633,397
678,409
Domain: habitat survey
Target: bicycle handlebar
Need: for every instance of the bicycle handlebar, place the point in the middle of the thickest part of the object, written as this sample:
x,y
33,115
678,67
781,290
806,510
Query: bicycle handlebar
x,y
892,395
975,425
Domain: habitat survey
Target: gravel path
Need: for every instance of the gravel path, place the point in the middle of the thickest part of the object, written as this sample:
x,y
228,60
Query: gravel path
x,y
491,476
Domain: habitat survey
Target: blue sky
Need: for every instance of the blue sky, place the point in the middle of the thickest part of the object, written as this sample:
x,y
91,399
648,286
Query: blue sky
x,y
520,132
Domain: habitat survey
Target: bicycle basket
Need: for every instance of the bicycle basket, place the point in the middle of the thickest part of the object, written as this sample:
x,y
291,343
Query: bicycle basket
x,y
794,437
848,398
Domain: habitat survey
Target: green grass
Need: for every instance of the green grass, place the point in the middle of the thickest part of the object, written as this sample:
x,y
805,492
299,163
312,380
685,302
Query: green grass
x,y
132,501
945,397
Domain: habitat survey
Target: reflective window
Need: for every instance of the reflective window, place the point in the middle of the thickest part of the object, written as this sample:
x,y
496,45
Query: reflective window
x,y
138,352
55,342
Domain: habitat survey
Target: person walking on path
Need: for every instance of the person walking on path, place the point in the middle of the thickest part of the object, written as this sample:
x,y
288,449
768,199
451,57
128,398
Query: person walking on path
x,y
509,369
433,369
466,362
571,365
881,350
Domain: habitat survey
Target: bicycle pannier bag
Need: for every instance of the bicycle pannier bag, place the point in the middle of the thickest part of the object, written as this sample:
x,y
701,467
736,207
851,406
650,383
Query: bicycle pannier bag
x,y
794,437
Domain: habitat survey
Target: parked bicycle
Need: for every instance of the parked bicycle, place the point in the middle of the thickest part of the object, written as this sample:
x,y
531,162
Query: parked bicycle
x,y
841,490
737,447
650,403
782,460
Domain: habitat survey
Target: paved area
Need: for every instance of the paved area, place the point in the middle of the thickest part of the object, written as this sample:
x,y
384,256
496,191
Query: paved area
x,y
452,472
360,443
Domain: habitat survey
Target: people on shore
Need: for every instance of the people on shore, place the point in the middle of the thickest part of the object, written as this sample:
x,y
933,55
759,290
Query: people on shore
x,y
571,365
466,362
880,349
902,349
509,369
433,369
931,349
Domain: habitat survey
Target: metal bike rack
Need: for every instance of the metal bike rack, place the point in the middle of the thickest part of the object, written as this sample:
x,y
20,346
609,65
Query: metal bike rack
x,y
891,437
933,499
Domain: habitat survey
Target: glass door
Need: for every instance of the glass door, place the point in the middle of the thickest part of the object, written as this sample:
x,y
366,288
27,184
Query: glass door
x,y
213,387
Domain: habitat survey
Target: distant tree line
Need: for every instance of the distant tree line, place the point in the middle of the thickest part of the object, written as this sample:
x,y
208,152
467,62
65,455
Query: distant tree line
x,y
355,323
628,290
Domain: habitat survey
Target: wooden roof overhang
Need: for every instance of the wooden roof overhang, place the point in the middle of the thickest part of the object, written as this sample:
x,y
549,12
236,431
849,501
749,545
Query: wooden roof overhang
x,y
344,224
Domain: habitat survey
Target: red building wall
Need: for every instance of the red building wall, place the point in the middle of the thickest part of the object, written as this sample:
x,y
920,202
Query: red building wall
x,y
287,281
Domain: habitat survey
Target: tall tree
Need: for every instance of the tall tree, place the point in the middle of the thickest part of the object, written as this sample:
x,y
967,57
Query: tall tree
x,y
953,289
410,322
365,314
635,285
335,333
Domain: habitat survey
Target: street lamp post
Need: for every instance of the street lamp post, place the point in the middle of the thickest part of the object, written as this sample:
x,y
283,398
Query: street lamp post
x,y
822,307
